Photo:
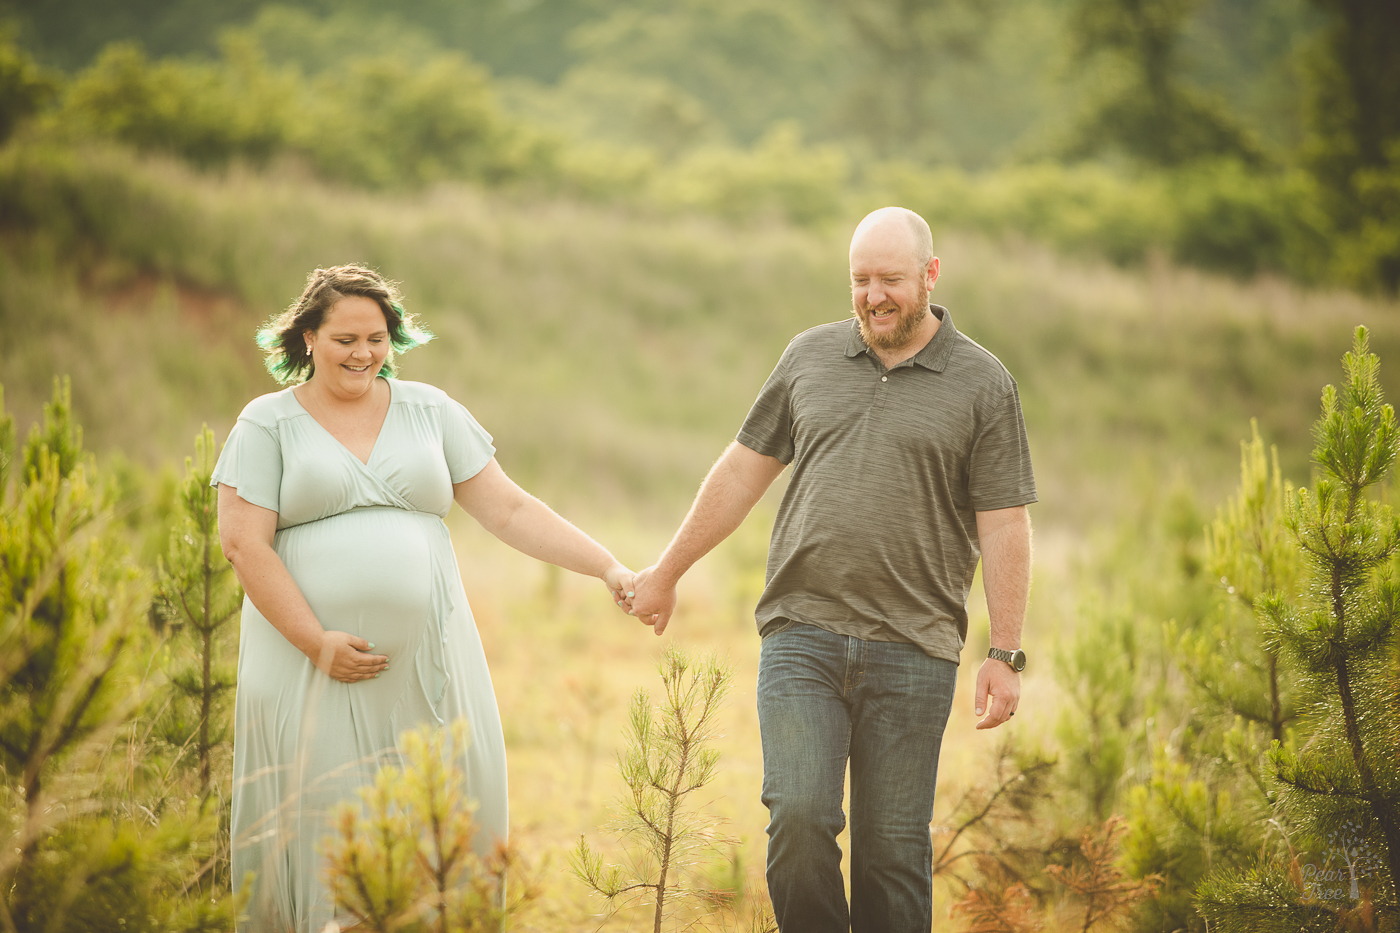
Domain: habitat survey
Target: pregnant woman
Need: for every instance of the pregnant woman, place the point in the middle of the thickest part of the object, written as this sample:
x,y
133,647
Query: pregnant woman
x,y
332,495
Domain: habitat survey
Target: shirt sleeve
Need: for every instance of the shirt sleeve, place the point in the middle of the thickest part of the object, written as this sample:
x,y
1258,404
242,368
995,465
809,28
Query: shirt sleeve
x,y
999,471
465,444
768,427
251,462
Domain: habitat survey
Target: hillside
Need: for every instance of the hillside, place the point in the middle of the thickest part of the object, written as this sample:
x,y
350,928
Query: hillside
x,y
613,352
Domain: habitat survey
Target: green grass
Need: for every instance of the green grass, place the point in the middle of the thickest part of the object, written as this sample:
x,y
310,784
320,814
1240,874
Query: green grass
x,y
613,353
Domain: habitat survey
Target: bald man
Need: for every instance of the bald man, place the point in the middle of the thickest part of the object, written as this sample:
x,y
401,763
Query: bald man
x,y
909,462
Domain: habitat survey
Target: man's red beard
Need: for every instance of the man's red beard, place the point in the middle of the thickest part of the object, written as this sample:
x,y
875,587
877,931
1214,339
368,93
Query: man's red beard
x,y
908,326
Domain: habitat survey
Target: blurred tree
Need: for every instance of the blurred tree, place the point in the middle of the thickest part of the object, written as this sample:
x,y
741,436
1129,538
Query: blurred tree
x,y
1232,218
746,64
519,38
646,113
70,33
1340,793
389,122
779,177
406,118
1113,662
292,36
1355,90
1250,53
1354,144
1142,105
1101,669
24,87
207,112
513,37
905,45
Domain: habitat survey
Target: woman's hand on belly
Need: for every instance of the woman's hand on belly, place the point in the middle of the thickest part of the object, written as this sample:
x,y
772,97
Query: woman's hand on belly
x,y
346,658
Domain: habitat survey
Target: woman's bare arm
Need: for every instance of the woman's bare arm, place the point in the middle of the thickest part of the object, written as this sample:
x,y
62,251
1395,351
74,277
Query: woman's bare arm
x,y
531,527
246,532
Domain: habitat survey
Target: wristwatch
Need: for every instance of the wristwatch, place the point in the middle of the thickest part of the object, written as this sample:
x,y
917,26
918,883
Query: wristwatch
x,y
1017,658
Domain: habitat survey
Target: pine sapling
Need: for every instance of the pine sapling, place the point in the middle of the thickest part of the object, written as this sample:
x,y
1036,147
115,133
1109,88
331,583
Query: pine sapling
x,y
198,594
1339,638
404,861
69,618
667,760
1249,548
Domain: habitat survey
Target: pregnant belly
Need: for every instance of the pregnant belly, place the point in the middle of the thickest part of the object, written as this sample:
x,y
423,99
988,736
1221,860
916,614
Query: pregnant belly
x,y
368,572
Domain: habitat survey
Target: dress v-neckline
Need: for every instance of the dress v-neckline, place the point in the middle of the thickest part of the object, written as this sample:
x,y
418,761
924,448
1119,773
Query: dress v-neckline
x,y
373,447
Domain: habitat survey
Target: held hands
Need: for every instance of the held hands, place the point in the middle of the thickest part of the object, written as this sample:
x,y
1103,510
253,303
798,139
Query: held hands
x,y
642,595
346,658
998,693
654,599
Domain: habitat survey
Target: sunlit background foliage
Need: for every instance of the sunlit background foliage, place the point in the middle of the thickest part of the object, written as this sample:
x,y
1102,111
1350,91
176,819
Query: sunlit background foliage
x,y
1165,216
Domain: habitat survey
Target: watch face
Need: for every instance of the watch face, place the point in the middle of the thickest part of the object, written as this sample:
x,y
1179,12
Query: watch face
x,y
1017,658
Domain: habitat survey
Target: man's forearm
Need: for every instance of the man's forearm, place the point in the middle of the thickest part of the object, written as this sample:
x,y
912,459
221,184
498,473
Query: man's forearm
x,y
731,489
1006,572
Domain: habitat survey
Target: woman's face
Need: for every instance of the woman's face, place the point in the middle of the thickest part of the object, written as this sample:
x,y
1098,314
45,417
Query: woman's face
x,y
349,347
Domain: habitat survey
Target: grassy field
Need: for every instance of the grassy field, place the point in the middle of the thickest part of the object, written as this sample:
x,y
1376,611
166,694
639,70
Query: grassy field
x,y
612,355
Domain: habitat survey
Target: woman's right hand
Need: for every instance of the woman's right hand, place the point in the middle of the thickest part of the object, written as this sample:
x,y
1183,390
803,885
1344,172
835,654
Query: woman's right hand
x,y
346,658
620,582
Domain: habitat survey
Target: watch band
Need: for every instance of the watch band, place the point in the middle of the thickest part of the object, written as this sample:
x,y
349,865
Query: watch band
x,y
1017,658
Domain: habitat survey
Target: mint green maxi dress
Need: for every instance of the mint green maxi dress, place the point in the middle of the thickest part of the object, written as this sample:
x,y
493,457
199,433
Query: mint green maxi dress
x,y
367,546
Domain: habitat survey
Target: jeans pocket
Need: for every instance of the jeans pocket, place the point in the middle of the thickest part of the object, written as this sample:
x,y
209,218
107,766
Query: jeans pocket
x,y
775,627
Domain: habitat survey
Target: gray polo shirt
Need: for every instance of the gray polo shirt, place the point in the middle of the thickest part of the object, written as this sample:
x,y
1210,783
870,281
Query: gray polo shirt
x,y
877,534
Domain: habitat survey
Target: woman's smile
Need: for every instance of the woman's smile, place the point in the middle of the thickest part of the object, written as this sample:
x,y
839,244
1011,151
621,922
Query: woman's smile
x,y
354,339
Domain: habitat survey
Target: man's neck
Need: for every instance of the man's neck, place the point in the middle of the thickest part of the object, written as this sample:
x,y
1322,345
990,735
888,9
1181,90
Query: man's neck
x,y
927,328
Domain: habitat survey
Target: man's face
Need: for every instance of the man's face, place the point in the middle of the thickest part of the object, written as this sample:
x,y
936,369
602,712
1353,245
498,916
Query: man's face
x,y
889,292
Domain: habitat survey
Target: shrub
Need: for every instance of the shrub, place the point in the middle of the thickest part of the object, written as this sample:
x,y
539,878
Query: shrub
x,y
1230,217
388,122
1079,210
404,862
25,88
206,112
779,177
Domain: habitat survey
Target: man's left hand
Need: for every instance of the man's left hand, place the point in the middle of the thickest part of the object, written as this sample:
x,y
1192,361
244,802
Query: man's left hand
x,y
998,693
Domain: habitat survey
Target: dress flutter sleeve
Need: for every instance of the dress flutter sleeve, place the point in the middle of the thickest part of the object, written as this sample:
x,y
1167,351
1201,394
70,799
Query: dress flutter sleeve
x,y
251,462
465,444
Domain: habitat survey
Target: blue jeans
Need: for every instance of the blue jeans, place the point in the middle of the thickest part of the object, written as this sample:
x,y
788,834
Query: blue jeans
x,y
823,700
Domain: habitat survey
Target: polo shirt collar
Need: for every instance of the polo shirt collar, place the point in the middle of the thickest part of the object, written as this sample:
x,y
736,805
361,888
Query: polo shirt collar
x,y
934,355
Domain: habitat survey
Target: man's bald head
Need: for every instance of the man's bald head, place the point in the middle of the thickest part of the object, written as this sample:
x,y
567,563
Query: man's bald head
x,y
896,226
892,271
